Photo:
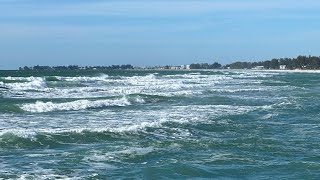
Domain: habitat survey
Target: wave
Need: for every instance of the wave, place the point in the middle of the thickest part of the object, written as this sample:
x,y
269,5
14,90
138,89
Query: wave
x,y
114,79
10,79
65,84
38,84
172,122
19,139
48,105
252,74
199,76
20,79
41,83
52,78
233,90
57,78
40,106
101,77
3,86
10,108
33,138
103,85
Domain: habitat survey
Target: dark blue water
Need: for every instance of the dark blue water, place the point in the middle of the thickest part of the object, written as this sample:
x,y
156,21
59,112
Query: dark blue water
x,y
159,125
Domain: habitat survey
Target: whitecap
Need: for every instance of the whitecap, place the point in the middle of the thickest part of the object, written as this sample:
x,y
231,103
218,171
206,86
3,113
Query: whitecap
x,y
40,106
101,77
34,84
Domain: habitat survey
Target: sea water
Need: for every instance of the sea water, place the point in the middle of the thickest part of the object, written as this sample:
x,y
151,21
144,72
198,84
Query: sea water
x,y
159,125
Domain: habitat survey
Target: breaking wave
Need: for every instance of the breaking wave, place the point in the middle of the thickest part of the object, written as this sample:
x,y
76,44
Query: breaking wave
x,y
34,84
40,106
101,77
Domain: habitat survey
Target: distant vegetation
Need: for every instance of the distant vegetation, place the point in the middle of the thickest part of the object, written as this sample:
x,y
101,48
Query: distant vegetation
x,y
206,66
74,67
300,62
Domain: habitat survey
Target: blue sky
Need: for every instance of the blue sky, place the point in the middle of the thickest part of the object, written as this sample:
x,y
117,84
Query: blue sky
x,y
151,32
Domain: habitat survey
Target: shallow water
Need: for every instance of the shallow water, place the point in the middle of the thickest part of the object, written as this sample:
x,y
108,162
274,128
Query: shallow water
x,y
159,124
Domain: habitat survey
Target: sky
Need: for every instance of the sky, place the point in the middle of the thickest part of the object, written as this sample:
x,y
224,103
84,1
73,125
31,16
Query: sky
x,y
155,32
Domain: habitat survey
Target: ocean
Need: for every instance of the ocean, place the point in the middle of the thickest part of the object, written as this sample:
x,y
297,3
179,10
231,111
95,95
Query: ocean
x,y
149,124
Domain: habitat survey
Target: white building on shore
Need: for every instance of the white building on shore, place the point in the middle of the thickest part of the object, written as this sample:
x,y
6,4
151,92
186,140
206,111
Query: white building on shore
x,y
283,67
185,66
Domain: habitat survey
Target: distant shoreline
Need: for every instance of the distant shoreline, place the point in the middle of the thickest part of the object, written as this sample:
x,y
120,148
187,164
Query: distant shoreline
x,y
257,70
158,69
291,71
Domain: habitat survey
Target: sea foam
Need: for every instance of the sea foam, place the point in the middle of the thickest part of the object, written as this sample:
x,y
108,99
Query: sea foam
x,y
34,84
40,106
101,77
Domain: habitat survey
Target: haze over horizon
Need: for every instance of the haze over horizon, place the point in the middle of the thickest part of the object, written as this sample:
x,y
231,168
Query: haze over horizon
x,y
155,32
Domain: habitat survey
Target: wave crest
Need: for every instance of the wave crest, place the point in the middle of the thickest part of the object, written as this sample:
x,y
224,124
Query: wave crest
x,y
33,84
40,106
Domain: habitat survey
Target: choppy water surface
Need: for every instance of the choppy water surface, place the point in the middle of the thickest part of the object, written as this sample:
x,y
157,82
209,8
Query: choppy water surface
x,y
159,124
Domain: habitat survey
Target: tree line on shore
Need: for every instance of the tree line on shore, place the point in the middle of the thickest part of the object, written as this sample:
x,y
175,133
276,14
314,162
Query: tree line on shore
x,y
215,65
300,62
74,67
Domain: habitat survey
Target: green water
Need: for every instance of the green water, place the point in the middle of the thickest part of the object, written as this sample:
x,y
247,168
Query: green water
x,y
159,125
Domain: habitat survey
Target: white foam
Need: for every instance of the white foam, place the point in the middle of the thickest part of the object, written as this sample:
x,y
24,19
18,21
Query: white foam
x,y
9,78
233,90
152,84
19,132
108,120
102,77
33,84
40,106
139,99
103,86
253,74
29,79
45,175
141,80
137,151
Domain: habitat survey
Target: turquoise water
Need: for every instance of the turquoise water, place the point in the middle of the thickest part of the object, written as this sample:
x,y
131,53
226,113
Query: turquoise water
x,y
159,125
